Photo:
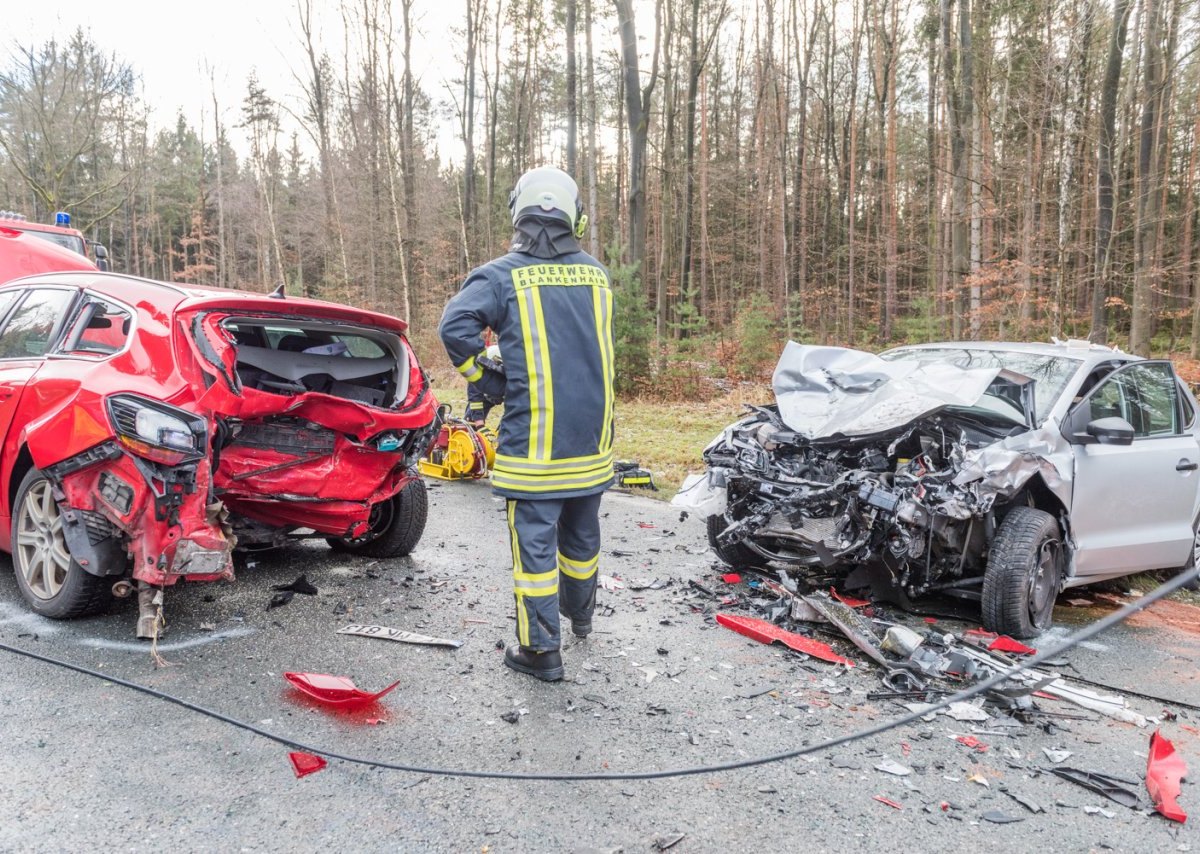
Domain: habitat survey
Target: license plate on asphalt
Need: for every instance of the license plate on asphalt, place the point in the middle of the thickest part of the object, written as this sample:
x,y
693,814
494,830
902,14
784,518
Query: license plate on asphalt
x,y
398,635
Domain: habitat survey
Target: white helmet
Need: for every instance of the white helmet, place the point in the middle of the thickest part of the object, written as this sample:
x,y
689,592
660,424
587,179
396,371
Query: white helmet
x,y
548,192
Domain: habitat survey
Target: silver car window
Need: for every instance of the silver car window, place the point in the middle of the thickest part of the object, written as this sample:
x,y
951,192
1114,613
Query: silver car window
x,y
1145,395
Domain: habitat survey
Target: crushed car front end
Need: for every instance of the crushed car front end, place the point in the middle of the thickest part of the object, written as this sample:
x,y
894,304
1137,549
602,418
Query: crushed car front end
x,y
889,473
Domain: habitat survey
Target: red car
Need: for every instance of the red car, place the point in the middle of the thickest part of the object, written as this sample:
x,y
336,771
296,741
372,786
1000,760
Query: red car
x,y
150,429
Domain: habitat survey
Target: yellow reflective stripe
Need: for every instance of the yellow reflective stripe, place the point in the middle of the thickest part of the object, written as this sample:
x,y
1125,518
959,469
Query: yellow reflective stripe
x,y
538,477
531,367
602,306
522,617
543,342
572,465
580,569
470,370
536,583
503,480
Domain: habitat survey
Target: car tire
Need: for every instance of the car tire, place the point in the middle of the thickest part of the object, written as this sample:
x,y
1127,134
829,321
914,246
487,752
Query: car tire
x,y
396,525
1023,574
50,580
736,555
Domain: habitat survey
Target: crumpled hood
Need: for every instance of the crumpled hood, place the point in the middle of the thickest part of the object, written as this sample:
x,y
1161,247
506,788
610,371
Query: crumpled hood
x,y
835,391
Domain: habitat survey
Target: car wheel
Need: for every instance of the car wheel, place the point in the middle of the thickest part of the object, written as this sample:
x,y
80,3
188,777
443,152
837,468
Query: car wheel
x,y
50,580
1194,584
395,525
735,555
1023,574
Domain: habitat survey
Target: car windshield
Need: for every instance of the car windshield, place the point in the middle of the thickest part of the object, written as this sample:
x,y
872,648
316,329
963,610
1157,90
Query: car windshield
x,y
67,241
1050,372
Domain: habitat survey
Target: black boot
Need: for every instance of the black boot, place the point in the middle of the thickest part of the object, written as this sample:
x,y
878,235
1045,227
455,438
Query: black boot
x,y
546,666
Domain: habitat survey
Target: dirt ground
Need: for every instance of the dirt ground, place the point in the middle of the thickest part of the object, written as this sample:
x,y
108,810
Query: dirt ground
x,y
88,765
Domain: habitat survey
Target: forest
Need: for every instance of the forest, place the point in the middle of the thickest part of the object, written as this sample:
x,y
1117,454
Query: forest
x,y
852,172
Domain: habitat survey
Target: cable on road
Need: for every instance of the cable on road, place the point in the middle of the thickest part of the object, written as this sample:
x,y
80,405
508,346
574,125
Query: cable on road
x,y
570,776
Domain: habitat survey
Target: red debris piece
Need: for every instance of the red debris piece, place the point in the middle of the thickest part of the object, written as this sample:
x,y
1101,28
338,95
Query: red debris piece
x,y
764,632
376,721
972,742
1164,769
848,601
646,525
905,748
979,635
888,801
335,691
931,620
1004,643
945,805
306,763
731,578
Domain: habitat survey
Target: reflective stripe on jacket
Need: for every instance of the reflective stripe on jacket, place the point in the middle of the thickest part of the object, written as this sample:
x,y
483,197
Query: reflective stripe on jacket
x,y
554,323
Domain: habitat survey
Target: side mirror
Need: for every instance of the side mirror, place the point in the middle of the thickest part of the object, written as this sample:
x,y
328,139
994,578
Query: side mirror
x,y
1111,431
101,257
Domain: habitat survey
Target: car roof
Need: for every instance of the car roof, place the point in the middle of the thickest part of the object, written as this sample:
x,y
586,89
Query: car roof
x,y
1072,349
174,297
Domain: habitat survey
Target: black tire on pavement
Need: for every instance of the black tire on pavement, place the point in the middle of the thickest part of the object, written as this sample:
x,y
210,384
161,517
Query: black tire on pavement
x,y
50,579
1023,574
396,525
736,555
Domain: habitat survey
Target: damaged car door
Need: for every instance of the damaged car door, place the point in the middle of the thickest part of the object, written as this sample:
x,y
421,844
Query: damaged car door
x,y
1135,494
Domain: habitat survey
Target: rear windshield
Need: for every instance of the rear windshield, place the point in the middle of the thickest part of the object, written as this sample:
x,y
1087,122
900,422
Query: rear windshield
x,y
293,339
1052,373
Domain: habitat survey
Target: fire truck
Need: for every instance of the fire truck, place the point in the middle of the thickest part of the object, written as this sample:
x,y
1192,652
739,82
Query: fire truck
x,y
23,253
61,233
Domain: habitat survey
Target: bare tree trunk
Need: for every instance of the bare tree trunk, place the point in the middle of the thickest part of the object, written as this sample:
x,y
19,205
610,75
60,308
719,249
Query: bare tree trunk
x,y
593,153
572,87
1145,275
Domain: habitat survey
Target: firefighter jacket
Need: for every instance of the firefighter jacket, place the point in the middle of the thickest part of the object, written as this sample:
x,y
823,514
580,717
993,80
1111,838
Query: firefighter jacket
x,y
553,318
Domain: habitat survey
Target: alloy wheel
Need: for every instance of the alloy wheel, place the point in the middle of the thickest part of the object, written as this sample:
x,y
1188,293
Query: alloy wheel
x,y
40,548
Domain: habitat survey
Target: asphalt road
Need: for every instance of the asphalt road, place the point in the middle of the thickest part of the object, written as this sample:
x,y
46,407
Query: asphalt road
x,y
90,766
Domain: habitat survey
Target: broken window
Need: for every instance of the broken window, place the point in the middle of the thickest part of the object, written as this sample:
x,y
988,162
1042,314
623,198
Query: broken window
x,y
1144,394
29,331
294,357
99,327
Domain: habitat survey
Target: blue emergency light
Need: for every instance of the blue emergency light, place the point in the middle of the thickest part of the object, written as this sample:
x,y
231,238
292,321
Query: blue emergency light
x,y
63,219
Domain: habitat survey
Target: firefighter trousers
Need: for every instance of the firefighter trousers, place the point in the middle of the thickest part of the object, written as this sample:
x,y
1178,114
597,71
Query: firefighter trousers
x,y
555,553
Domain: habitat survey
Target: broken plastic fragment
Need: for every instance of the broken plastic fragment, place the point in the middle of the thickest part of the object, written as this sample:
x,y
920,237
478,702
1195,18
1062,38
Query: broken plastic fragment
x,y
300,585
1164,769
764,632
998,817
1006,644
888,801
1056,756
306,763
890,766
731,578
1101,784
972,742
849,601
335,690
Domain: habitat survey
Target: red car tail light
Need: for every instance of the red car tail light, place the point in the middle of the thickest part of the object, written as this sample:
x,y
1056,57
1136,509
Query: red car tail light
x,y
156,431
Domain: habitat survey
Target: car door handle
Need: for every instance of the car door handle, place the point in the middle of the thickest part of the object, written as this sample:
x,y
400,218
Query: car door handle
x,y
1186,465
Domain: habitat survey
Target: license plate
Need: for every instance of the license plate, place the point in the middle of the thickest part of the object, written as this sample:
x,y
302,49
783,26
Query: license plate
x,y
398,635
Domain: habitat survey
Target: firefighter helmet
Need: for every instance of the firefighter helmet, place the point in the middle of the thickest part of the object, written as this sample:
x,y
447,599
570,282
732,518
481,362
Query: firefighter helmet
x,y
548,192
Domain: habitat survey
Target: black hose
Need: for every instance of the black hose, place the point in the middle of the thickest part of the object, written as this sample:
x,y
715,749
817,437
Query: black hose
x,y
966,694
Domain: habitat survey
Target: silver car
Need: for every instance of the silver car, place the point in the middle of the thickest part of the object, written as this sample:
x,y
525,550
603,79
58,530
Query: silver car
x,y
997,472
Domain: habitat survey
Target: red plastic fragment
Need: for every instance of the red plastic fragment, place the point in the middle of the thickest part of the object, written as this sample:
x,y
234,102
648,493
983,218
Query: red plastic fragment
x,y
306,763
905,748
334,690
931,620
764,632
1004,643
979,635
731,578
888,801
848,601
972,742
646,525
1164,769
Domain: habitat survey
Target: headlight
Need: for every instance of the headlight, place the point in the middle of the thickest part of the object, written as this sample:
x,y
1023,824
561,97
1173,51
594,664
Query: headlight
x,y
155,430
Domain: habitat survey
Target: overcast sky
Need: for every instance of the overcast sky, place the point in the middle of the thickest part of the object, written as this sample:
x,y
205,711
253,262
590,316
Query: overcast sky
x,y
174,46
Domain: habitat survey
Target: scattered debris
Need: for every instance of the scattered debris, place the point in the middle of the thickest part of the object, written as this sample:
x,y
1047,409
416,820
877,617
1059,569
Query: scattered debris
x,y
611,583
280,599
972,742
511,716
764,632
667,840
888,802
306,763
964,711
1164,770
731,578
1102,784
335,691
890,766
398,635
1057,756
1029,804
300,585
1094,810
998,817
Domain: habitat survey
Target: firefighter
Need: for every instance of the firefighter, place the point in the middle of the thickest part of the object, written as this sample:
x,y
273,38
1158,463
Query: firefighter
x,y
479,402
550,304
